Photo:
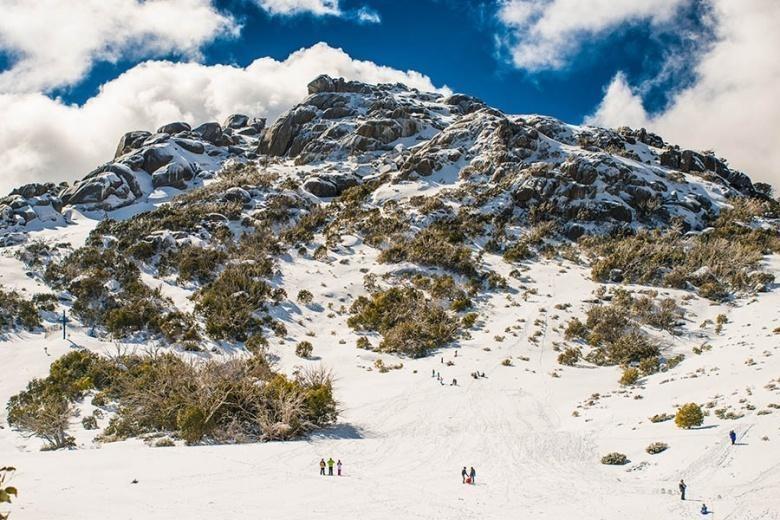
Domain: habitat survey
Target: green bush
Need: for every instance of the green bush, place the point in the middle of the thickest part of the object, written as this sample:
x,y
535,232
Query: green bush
x,y
304,349
15,312
305,297
433,246
688,416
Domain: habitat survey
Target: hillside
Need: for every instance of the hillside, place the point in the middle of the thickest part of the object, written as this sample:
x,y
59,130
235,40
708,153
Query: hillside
x,y
316,274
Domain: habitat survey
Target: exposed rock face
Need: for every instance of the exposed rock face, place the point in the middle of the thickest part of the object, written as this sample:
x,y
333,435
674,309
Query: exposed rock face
x,y
519,167
131,141
331,186
174,128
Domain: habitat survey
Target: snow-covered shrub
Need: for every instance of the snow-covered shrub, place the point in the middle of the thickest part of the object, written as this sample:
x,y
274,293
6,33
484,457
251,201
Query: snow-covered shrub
x,y
614,459
304,349
688,416
198,264
656,447
89,422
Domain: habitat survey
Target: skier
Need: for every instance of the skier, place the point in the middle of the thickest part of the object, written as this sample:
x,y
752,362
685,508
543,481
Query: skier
x,y
733,437
704,509
473,475
338,467
331,462
463,474
682,487
322,466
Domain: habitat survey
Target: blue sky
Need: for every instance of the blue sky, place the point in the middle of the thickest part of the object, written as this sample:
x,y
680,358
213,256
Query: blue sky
x,y
702,73
455,43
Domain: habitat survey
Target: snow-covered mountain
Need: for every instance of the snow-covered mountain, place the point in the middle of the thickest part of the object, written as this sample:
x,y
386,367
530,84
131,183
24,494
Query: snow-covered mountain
x,y
504,291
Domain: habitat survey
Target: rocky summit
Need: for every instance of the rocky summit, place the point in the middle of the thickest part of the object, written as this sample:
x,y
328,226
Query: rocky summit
x,y
345,133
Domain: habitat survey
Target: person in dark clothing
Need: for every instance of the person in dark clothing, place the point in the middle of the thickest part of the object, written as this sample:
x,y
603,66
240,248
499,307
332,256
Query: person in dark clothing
x,y
682,487
704,509
322,466
733,437
473,475
463,474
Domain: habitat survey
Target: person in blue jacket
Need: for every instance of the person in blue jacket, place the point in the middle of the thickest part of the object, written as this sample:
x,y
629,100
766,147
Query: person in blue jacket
x,y
733,437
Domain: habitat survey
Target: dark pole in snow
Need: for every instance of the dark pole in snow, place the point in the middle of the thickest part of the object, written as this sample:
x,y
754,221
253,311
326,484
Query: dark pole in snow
x,y
64,321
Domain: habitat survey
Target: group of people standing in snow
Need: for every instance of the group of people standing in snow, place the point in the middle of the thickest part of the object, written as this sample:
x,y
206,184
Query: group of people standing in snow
x,y
683,487
330,465
470,476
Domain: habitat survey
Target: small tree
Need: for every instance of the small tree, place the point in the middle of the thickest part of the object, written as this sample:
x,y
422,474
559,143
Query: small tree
x,y
42,415
304,349
688,416
6,491
305,297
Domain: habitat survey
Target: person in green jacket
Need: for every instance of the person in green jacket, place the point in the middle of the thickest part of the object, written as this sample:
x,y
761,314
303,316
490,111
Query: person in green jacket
x,y
331,462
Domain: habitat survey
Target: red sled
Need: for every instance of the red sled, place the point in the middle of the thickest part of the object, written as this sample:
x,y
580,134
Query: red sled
x,y
468,480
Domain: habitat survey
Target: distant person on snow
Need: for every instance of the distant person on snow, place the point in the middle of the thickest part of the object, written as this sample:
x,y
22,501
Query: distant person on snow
x,y
331,462
682,487
454,382
473,475
733,437
322,466
433,373
463,474
704,509
338,467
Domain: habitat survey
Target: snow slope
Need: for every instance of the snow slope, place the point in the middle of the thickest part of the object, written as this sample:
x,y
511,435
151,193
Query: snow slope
x,y
403,437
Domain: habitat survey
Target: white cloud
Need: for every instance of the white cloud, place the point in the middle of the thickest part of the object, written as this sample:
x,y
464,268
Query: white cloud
x,y
367,15
544,34
54,43
43,139
292,7
733,106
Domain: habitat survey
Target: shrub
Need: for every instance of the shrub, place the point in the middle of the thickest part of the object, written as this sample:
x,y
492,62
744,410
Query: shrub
x,y
507,362
656,448
304,349
630,376
165,442
15,312
6,492
661,417
410,323
570,356
614,459
436,245
89,422
41,412
688,416
649,365
362,342
305,297
576,329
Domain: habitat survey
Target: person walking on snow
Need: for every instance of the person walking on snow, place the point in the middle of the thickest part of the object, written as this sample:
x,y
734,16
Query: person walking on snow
x,y
463,474
682,487
733,437
331,462
473,475
322,466
338,467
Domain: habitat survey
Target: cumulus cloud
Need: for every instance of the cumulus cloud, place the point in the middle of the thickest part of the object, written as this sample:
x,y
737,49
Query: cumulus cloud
x,y
44,139
292,7
544,34
733,106
54,43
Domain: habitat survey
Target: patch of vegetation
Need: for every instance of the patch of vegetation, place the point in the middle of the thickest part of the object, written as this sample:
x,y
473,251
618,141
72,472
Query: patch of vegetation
x,y
409,322
656,448
614,459
304,349
570,356
6,492
437,245
234,401
630,376
17,312
725,258
615,330
688,416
